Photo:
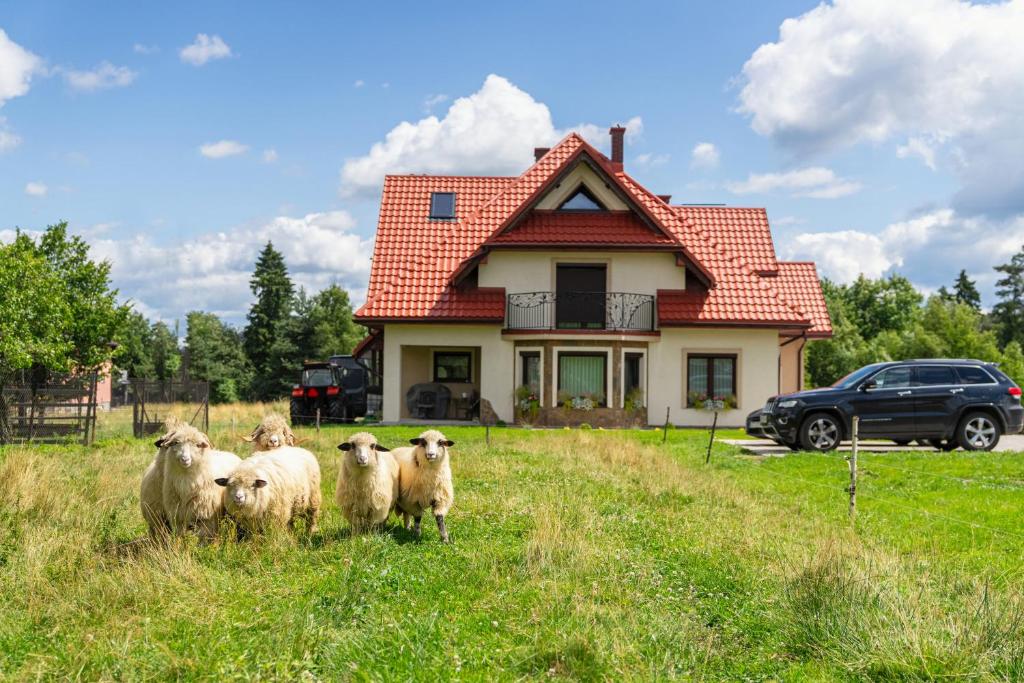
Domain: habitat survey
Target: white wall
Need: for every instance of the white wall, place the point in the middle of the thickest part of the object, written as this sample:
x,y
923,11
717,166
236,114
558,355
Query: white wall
x,y
534,271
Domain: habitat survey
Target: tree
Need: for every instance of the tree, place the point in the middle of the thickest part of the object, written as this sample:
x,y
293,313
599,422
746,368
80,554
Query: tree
x,y
273,290
966,292
879,305
135,352
1008,313
334,331
215,354
166,353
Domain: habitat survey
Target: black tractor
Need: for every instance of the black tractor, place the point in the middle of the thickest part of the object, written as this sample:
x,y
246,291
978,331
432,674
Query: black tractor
x,y
336,387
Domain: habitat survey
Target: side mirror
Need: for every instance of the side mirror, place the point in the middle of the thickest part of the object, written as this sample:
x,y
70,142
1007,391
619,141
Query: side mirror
x,y
870,384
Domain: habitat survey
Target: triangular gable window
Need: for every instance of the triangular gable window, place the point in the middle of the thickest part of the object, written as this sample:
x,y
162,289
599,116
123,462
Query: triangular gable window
x,y
582,200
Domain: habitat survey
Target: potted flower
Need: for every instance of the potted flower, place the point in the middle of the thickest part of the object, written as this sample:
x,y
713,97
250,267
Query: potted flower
x,y
527,403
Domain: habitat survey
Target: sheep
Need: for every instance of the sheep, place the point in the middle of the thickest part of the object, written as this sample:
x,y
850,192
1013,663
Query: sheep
x,y
426,478
184,472
271,433
367,482
272,488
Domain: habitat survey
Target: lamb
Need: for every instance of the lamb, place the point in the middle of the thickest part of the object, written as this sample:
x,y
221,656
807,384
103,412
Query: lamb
x,y
426,478
272,488
178,491
272,432
367,482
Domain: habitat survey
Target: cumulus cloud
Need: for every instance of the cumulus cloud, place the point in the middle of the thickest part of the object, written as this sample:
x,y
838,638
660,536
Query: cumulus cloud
x,y
204,49
222,148
943,79
211,272
142,49
492,131
704,155
103,77
647,160
8,140
816,182
17,66
36,189
432,101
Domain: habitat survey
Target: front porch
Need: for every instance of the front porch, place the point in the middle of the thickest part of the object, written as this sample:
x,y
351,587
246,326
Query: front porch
x,y
440,384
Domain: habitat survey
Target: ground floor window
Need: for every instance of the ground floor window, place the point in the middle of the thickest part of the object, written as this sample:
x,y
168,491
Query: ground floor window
x,y
453,366
582,376
710,376
531,371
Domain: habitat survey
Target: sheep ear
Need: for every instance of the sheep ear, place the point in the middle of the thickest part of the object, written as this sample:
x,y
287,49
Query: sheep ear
x,y
259,483
345,446
416,442
159,443
448,443
204,444
250,437
378,447
221,481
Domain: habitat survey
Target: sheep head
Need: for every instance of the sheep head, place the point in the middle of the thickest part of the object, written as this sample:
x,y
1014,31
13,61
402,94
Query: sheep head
x,y
183,443
246,490
273,432
362,449
432,445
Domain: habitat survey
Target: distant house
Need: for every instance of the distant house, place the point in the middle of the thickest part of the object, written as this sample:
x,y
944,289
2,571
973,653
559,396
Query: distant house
x,y
571,293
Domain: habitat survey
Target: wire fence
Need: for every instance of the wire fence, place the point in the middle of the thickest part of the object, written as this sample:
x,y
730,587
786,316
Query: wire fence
x,y
39,406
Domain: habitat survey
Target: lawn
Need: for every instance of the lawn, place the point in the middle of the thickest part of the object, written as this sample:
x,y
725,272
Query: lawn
x,y
577,554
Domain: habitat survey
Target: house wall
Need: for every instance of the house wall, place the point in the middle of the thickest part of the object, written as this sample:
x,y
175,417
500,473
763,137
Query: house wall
x,y
791,365
585,175
534,271
757,374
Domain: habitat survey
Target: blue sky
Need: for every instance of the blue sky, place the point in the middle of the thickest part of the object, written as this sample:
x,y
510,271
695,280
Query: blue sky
x,y
879,137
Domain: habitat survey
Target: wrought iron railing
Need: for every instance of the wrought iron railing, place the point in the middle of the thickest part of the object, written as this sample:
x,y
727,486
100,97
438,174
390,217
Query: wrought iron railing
x,y
617,311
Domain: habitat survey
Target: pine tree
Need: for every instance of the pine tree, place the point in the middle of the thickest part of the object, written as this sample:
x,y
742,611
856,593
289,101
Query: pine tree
x,y
966,292
273,290
1008,313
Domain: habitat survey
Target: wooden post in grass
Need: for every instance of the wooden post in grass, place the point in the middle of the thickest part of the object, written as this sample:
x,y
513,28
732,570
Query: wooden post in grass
x,y
853,468
487,433
664,434
318,424
714,404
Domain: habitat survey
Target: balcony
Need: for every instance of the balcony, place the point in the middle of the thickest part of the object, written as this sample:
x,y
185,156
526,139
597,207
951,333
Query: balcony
x,y
572,310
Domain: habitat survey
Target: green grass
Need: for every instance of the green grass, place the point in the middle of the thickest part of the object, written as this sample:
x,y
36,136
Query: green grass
x,y
577,554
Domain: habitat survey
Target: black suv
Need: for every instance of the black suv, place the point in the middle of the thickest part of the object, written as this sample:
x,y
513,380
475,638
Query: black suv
x,y
945,403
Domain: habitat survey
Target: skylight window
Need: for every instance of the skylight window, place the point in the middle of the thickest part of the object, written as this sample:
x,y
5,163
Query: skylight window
x,y
442,205
581,200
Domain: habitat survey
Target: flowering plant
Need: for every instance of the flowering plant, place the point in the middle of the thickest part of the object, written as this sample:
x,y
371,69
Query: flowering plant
x,y
700,400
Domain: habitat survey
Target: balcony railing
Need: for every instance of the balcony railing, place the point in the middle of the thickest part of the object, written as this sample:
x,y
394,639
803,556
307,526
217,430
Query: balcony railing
x,y
615,311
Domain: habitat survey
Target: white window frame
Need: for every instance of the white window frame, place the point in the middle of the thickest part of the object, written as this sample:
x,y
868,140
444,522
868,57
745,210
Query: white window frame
x,y
606,350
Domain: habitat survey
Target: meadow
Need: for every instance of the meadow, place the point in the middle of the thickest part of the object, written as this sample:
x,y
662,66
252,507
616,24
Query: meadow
x,y
576,555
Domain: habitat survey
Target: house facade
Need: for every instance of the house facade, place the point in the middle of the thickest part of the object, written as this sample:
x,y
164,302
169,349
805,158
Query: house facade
x,y
573,294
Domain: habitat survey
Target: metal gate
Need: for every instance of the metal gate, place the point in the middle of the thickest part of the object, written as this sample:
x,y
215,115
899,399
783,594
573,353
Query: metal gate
x,y
154,400
37,406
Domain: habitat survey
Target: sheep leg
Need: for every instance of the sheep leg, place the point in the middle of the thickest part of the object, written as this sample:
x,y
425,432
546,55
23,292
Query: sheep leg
x,y
311,517
241,533
416,527
406,521
441,528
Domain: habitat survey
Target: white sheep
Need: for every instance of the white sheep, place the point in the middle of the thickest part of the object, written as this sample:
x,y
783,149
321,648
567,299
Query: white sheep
x,y
367,482
426,478
184,473
272,432
272,488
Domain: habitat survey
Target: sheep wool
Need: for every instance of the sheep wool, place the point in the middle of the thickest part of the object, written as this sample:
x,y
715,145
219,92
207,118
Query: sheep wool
x,y
272,432
426,479
273,488
367,487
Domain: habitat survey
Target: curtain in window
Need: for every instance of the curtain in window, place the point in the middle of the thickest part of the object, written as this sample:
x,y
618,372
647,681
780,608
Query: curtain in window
x,y
531,371
698,375
724,368
580,375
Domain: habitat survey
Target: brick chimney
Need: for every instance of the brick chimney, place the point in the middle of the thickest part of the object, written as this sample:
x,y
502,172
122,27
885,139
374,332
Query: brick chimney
x,y
618,134
538,152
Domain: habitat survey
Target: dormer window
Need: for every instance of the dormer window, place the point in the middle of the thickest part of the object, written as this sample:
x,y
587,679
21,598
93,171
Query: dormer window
x,y
442,205
581,200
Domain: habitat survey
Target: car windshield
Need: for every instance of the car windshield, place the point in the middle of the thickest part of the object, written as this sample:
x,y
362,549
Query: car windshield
x,y
317,377
855,377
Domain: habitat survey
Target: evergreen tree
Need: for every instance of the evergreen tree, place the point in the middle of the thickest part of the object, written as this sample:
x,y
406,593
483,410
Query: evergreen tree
x,y
166,353
267,317
966,292
1008,313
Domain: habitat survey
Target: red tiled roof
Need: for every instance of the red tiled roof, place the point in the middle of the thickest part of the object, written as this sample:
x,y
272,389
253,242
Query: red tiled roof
x,y
620,228
800,284
417,260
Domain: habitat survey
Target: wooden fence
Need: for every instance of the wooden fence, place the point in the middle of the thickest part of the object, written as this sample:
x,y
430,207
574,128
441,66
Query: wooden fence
x,y
45,407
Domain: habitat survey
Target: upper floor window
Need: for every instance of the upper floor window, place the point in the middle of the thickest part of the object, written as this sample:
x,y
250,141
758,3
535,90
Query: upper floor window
x,y
581,200
442,205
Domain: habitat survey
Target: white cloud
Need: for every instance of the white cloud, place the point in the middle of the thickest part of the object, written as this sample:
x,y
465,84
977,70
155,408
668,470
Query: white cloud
x,y
8,140
269,156
815,181
203,49
704,155
492,131
648,160
17,66
222,148
142,49
359,83
36,189
211,272
928,74
432,101
103,77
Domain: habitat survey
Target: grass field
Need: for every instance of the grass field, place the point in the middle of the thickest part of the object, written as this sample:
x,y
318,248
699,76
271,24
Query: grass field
x,y
587,555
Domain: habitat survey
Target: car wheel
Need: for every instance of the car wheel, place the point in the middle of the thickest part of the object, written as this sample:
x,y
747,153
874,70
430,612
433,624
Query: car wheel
x,y
820,432
295,409
336,411
978,432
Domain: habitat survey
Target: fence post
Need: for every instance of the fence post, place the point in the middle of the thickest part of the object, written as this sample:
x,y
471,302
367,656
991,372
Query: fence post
x,y
714,423
853,468
664,433
318,423
487,433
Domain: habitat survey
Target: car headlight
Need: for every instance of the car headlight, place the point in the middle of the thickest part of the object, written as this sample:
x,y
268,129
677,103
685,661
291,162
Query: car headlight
x,y
791,403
